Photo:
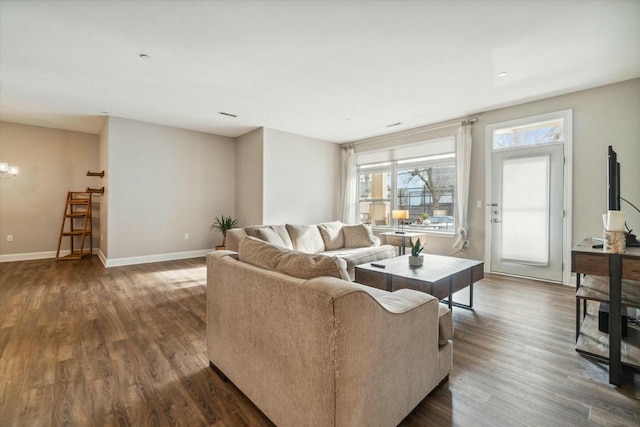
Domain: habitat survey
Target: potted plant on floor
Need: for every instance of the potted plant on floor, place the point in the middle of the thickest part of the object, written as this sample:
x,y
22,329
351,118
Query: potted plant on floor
x,y
415,259
223,224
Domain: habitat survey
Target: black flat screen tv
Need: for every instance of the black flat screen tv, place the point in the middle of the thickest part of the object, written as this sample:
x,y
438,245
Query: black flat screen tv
x,y
614,193
613,181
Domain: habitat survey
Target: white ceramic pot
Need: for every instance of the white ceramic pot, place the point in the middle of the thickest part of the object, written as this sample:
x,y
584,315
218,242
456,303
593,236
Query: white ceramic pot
x,y
416,261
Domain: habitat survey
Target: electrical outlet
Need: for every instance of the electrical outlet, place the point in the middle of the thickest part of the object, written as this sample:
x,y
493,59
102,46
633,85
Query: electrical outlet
x,y
479,204
186,236
9,237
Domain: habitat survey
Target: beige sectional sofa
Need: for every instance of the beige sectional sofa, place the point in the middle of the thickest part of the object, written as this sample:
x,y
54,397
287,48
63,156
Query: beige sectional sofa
x,y
314,350
355,244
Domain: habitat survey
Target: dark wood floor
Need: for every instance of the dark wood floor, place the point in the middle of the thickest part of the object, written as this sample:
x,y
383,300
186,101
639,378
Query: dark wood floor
x,y
84,345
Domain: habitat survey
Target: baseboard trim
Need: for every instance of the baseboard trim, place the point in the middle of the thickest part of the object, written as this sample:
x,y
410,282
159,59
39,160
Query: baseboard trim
x,y
102,257
115,262
118,262
35,255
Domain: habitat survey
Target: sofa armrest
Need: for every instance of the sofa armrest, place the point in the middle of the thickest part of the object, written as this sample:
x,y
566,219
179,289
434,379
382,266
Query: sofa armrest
x,y
402,301
387,355
220,254
234,236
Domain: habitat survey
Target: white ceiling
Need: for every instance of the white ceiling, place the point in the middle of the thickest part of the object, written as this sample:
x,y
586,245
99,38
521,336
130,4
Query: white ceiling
x,y
338,71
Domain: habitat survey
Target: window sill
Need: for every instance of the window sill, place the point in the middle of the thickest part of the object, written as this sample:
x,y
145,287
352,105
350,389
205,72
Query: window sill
x,y
428,232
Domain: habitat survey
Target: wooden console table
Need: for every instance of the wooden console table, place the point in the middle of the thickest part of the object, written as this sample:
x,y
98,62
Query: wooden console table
x,y
614,279
401,240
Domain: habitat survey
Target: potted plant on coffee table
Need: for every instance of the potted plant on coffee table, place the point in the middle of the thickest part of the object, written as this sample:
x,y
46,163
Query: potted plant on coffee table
x,y
416,259
223,224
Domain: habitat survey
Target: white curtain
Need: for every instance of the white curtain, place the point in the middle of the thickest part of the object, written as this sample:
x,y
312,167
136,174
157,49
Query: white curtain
x,y
463,169
348,185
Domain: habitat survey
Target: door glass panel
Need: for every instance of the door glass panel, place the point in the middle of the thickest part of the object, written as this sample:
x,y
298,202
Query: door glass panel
x,y
525,210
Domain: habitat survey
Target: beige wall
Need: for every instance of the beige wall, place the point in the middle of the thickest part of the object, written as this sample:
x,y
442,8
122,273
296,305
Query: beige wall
x,y
164,182
301,179
52,162
249,172
603,116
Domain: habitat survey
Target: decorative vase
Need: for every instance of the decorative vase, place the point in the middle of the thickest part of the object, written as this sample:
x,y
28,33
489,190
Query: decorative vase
x,y
416,261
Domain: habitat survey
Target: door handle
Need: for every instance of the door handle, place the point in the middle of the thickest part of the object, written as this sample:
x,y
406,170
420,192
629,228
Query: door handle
x,y
492,204
496,220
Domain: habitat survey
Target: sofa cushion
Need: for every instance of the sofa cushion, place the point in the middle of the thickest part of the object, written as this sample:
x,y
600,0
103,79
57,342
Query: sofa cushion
x,y
310,266
306,238
332,235
259,253
292,263
445,324
280,230
358,236
357,256
269,235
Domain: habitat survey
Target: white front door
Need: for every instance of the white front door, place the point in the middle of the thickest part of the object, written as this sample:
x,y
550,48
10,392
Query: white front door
x,y
526,216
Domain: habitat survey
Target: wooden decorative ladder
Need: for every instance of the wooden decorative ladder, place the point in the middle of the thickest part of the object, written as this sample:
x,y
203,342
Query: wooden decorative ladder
x,y
77,213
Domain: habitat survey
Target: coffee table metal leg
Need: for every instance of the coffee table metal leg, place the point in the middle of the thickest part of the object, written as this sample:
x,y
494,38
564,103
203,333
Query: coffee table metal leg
x,y
457,304
389,286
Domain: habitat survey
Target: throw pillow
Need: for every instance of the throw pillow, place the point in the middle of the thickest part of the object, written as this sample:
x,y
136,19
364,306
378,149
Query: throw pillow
x,y
306,238
309,266
332,235
281,230
357,236
269,235
259,253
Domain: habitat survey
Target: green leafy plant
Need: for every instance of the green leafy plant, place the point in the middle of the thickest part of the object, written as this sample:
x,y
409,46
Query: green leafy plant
x,y
223,224
425,216
416,247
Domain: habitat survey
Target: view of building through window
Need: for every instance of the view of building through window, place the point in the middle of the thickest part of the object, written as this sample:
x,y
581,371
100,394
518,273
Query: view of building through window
x,y
375,198
425,187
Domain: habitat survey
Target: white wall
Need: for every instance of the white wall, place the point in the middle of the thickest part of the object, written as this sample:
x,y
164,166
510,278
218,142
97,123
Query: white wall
x,y
52,162
301,179
249,171
607,115
164,182
285,178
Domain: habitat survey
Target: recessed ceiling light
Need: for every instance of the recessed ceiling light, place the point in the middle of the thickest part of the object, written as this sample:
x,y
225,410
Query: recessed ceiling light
x,y
227,114
394,124
502,74
144,56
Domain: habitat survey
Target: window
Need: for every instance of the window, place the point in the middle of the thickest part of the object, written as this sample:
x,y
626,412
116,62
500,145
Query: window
x,y
375,197
544,132
419,178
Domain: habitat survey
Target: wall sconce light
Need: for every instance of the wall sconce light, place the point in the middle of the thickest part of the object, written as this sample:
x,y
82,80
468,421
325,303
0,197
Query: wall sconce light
x,y
7,171
400,215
